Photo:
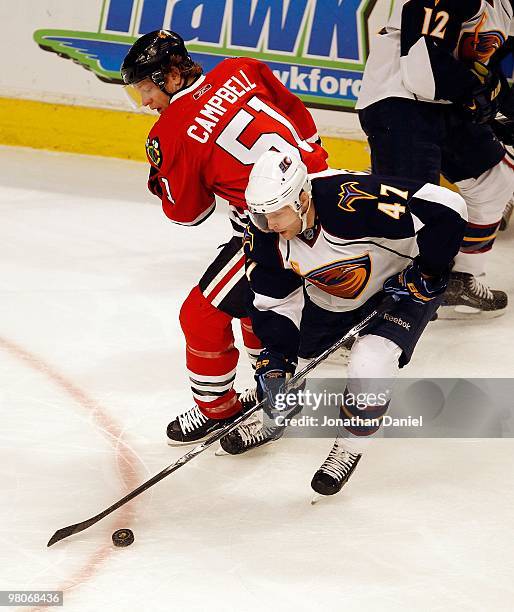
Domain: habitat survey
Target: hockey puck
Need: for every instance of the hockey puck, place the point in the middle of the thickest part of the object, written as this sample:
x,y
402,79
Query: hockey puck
x,y
122,537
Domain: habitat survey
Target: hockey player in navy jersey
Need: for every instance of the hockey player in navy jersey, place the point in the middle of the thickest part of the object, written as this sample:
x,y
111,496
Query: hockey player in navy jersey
x,y
426,103
325,249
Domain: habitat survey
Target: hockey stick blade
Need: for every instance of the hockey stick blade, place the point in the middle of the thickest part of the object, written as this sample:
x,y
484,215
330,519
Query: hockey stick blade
x,y
66,532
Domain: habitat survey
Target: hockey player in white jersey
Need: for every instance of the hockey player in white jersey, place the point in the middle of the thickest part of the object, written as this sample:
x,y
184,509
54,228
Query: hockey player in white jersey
x,y
348,240
426,103
503,125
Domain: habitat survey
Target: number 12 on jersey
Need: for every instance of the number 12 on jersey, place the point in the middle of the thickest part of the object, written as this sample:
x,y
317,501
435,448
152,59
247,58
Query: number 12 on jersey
x,y
437,28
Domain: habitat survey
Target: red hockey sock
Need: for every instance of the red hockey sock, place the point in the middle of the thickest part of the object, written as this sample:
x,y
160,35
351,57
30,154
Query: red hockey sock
x,y
252,343
211,356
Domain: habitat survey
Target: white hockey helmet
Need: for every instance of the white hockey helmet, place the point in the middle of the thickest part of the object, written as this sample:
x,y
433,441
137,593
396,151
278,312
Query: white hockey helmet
x,y
275,181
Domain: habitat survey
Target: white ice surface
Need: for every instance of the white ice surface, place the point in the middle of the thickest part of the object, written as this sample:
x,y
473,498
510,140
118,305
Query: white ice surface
x,y
92,276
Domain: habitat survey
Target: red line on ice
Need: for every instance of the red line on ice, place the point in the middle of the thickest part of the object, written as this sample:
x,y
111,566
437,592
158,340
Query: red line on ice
x,y
126,459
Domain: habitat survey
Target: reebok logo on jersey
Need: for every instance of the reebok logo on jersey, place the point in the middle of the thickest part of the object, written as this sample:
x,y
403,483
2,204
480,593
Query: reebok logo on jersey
x,y
198,94
397,321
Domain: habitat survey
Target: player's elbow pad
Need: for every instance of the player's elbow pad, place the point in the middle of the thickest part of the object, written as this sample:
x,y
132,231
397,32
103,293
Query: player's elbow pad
x,y
416,71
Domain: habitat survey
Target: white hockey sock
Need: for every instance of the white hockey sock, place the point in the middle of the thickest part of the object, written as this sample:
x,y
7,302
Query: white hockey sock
x,y
471,263
355,444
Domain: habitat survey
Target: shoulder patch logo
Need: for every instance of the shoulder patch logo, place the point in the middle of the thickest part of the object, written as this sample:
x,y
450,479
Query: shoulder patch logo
x,y
350,193
479,46
248,239
153,150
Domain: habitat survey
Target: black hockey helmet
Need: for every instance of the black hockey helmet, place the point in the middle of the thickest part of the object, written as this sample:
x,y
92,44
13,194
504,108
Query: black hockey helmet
x,y
149,56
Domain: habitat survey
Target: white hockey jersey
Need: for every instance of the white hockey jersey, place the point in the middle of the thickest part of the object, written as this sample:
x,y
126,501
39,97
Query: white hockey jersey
x,y
425,50
367,228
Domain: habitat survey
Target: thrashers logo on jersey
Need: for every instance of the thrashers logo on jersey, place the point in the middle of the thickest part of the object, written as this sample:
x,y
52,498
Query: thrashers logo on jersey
x,y
350,193
153,150
480,46
345,278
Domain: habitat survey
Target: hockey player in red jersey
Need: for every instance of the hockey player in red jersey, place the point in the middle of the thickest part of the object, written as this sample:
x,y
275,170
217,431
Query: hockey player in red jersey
x,y
212,129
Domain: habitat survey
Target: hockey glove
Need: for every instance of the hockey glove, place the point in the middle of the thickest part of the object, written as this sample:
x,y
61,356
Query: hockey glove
x,y
506,98
482,106
154,184
271,373
504,130
412,284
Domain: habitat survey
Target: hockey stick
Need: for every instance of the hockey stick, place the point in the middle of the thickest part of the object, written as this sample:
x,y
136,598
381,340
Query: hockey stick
x,y
65,532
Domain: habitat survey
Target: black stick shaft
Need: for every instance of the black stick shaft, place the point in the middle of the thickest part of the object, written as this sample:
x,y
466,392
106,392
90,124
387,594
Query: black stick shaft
x,y
65,532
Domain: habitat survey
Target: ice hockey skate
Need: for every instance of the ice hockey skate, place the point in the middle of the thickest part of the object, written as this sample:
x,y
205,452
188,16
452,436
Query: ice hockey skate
x,y
257,431
335,471
469,297
193,426
251,435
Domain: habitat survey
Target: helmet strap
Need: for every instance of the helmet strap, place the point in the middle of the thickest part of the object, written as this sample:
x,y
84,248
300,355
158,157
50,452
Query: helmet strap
x,y
303,216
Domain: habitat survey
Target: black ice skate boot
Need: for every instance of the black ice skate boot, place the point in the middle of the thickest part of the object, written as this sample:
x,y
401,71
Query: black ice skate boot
x,y
468,297
193,426
253,434
335,471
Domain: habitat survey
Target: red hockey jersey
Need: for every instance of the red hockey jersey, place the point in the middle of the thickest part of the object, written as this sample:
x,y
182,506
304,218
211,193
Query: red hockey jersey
x,y
206,141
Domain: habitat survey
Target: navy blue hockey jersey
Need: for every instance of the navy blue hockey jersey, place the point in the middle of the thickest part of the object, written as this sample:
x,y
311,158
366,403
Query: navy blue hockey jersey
x,y
367,228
